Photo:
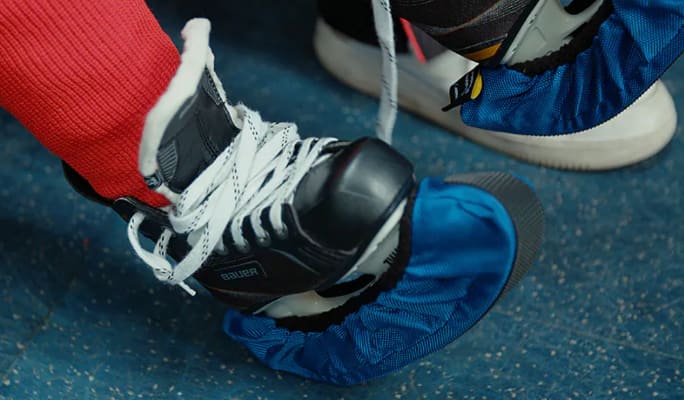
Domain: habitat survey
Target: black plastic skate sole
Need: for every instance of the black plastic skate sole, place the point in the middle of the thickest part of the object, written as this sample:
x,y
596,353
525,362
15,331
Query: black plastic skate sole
x,y
524,209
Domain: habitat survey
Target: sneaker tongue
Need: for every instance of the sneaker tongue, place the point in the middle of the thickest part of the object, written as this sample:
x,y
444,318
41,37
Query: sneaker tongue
x,y
199,131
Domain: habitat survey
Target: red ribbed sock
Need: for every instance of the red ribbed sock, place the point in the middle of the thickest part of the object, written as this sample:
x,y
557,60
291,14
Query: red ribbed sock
x,y
81,75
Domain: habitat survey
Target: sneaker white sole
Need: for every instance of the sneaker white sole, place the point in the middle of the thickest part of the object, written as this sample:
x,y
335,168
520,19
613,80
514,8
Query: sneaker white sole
x,y
637,133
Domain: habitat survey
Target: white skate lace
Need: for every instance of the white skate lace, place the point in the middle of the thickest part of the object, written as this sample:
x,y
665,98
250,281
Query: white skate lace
x,y
260,169
384,27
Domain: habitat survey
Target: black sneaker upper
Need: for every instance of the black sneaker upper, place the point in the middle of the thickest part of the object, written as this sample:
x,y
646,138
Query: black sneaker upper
x,y
355,19
473,28
337,210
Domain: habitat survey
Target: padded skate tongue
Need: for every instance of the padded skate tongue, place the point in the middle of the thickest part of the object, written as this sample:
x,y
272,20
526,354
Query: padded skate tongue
x,y
198,132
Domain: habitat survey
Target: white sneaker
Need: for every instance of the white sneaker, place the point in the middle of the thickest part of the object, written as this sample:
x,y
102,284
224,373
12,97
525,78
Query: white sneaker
x,y
637,133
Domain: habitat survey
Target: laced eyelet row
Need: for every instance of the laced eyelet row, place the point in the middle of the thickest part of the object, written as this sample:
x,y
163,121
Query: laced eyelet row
x,y
264,241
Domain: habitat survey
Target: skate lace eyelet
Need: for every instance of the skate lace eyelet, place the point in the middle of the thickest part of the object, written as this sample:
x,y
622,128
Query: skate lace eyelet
x,y
244,249
264,241
282,233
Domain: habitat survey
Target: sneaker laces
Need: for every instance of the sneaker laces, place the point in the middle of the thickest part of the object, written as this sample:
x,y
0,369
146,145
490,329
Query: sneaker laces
x,y
259,170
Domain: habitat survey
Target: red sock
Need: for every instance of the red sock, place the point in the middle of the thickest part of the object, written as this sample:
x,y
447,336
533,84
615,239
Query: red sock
x,y
81,75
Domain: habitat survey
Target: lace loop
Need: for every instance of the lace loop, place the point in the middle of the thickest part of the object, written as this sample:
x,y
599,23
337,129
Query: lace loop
x,y
259,170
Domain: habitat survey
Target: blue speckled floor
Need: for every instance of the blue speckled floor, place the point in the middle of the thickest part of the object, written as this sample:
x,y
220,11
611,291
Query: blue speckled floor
x,y
599,317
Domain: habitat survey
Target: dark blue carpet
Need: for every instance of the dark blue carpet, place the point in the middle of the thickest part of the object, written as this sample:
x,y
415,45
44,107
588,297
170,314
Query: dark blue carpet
x,y
599,317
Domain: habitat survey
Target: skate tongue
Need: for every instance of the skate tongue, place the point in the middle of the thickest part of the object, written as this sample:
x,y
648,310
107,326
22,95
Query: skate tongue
x,y
197,133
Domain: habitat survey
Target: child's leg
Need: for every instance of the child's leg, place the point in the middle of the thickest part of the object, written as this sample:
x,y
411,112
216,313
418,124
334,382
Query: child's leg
x,y
81,76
